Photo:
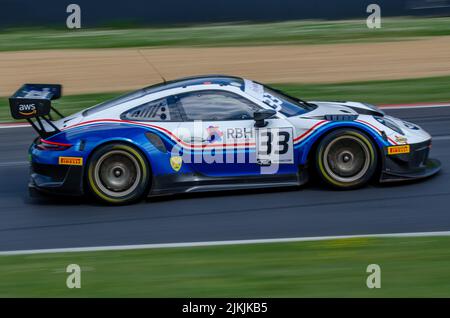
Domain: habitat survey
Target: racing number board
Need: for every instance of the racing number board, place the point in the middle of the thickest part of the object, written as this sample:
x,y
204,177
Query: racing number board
x,y
274,146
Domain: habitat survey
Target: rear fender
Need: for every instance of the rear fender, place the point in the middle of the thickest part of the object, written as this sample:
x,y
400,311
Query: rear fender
x,y
92,137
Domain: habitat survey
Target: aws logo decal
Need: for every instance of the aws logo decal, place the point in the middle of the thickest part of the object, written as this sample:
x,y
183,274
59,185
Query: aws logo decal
x,y
27,109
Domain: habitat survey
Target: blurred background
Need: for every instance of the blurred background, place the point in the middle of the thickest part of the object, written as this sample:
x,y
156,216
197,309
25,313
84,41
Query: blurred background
x,y
159,12
305,47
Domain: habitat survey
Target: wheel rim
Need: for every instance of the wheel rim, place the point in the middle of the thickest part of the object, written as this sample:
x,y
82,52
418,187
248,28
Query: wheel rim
x,y
346,159
117,173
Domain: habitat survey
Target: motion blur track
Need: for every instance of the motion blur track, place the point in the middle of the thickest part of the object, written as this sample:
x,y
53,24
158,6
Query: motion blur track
x,y
42,223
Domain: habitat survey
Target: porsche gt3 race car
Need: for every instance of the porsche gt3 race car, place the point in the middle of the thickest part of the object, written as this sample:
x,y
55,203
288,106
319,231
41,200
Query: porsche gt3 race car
x,y
213,133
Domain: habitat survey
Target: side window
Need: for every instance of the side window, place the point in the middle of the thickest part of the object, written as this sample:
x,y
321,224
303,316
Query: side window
x,y
158,110
215,105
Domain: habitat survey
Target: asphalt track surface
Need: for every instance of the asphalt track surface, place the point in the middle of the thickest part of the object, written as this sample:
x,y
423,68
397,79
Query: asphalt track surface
x,y
43,222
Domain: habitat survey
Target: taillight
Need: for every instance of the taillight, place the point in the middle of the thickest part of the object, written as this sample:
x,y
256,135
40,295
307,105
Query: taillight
x,y
43,144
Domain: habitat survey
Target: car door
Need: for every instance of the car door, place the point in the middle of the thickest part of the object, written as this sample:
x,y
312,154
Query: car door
x,y
224,141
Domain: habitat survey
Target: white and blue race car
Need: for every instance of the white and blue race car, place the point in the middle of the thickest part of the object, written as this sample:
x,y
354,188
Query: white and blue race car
x,y
213,133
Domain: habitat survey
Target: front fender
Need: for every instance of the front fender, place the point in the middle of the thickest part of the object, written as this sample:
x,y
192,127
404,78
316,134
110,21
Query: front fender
x,y
305,146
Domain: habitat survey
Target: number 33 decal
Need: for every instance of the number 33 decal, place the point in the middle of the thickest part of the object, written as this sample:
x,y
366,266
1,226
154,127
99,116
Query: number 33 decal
x,y
275,145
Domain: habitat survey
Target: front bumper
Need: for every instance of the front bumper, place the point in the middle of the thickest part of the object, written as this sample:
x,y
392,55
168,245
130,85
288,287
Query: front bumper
x,y
56,179
409,166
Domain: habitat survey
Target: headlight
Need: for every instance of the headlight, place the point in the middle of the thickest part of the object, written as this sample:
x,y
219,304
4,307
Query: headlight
x,y
389,123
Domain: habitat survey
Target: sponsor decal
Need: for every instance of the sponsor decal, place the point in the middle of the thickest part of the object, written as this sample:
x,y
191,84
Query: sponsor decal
x,y
395,150
214,134
70,161
176,162
27,109
275,145
401,139
272,101
253,89
33,94
239,133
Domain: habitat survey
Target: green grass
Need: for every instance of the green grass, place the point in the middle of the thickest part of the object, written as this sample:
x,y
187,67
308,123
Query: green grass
x,y
291,32
434,89
410,267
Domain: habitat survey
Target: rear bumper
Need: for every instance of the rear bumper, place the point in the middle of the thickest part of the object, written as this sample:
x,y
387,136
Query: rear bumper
x,y
411,166
55,179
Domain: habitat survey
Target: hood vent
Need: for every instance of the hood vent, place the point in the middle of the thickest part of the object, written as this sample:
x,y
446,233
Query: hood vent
x,y
364,111
340,117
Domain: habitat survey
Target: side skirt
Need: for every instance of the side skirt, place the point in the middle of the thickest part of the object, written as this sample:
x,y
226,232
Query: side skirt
x,y
190,183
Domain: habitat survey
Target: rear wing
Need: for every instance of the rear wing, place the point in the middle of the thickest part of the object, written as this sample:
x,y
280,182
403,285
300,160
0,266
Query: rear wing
x,y
33,101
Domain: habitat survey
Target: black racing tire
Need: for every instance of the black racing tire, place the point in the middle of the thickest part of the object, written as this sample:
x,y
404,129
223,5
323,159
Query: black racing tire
x,y
346,159
117,174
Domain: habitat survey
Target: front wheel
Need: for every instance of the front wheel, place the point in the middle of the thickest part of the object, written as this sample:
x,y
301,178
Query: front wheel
x,y
346,159
117,174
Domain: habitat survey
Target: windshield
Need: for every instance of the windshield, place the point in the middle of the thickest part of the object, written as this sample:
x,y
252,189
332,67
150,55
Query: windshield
x,y
285,104
114,102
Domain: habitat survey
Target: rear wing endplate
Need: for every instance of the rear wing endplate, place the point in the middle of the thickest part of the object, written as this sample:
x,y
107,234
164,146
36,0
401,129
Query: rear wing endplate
x,y
33,101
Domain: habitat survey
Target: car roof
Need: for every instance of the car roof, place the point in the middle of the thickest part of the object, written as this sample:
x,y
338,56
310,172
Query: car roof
x,y
178,83
193,80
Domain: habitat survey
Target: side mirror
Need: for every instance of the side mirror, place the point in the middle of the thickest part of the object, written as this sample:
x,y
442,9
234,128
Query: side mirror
x,y
261,115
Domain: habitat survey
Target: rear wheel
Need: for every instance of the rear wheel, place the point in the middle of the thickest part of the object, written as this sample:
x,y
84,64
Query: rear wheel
x,y
346,159
118,174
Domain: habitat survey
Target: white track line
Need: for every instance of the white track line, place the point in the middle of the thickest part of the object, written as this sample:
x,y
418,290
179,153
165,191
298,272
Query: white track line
x,y
14,163
218,243
437,138
9,125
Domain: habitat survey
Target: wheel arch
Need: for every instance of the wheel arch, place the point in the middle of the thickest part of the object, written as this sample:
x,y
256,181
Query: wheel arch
x,y
308,155
122,141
